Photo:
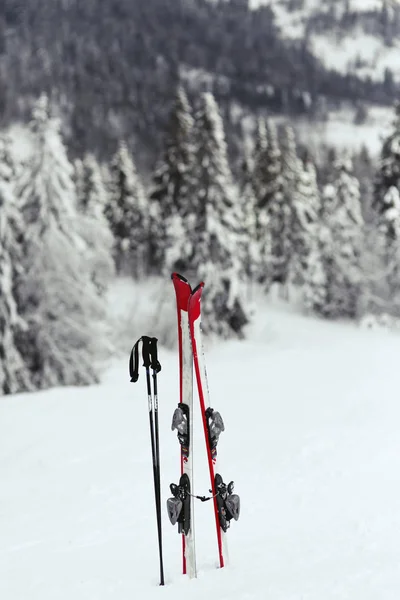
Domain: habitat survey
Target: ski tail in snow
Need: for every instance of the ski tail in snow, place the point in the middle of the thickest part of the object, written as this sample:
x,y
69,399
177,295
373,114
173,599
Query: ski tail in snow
x,y
180,506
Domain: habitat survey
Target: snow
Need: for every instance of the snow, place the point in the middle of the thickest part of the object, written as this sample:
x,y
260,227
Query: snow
x,y
311,413
355,51
342,54
312,5
341,131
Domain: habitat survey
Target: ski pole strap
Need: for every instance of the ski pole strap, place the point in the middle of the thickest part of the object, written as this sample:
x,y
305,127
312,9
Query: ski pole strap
x,y
149,355
134,362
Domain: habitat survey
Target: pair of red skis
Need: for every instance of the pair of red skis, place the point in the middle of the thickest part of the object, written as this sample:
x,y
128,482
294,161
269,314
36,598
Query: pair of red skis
x,y
181,505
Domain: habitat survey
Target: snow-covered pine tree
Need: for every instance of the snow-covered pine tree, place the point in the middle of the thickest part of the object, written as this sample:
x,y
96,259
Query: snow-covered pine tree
x,y
388,174
78,177
93,226
292,171
171,182
342,239
305,203
14,376
273,214
7,165
263,234
215,226
54,292
251,250
290,162
127,213
260,147
388,243
94,195
315,285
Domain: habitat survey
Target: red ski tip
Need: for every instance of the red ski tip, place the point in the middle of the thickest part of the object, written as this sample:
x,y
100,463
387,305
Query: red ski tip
x,y
195,301
178,276
182,291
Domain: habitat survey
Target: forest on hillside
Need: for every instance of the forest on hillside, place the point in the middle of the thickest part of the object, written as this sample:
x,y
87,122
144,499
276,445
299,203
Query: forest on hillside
x,y
329,241
111,67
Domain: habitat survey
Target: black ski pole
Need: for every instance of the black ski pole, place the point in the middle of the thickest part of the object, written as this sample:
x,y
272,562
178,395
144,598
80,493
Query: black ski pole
x,y
148,361
156,368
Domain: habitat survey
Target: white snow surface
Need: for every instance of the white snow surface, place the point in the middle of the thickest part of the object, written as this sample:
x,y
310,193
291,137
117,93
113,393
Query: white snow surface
x,y
341,131
311,412
342,54
357,52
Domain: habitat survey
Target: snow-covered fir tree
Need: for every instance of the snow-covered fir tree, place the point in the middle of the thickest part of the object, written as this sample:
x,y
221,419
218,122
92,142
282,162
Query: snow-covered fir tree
x,y
215,225
315,284
251,249
78,177
92,225
388,245
127,213
305,204
170,188
54,292
14,376
293,177
7,164
273,214
289,161
260,147
389,166
93,194
263,234
341,240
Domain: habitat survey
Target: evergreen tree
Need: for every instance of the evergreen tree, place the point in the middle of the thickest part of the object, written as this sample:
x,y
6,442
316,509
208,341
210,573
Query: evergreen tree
x,y
7,165
54,292
93,226
389,246
305,215
14,376
342,237
290,163
259,179
260,147
171,183
272,211
364,169
389,167
215,225
78,177
251,250
315,286
127,214
93,195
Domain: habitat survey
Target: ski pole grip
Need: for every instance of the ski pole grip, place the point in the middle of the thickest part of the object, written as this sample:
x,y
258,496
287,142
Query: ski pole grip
x,y
155,364
146,350
149,354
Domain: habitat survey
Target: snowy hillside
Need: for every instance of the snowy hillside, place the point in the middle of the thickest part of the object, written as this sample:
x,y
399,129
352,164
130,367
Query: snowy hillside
x,y
356,45
311,412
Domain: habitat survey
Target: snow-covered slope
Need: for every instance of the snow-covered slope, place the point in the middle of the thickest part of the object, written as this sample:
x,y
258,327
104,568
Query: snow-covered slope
x,y
358,45
311,412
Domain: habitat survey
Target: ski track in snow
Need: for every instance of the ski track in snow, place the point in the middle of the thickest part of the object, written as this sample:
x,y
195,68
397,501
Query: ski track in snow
x,y
311,412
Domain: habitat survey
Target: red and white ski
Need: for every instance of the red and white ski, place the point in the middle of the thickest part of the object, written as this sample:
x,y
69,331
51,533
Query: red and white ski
x,y
183,423
207,413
